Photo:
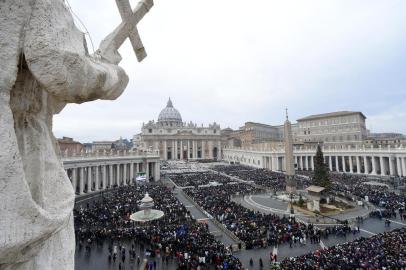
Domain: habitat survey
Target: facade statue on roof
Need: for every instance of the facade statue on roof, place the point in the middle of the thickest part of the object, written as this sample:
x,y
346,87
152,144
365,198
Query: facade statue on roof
x,y
44,66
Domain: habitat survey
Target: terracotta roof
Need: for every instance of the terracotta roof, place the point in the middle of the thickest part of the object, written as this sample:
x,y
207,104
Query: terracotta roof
x,y
332,114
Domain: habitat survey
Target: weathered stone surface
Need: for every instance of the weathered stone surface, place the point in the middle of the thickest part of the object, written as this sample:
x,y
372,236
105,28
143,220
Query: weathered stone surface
x,y
44,66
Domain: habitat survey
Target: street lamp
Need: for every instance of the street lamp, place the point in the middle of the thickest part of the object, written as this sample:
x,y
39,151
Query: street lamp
x,y
291,204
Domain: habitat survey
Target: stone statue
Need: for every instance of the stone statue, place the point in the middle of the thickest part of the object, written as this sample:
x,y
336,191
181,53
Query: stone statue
x,y
45,65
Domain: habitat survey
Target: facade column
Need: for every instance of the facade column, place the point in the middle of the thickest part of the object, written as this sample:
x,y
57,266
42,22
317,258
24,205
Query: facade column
x,y
165,151
358,164
403,166
203,149
211,149
118,174
89,179
351,165
301,162
330,163
188,149
181,150
381,165
82,180
125,174
97,184
195,149
176,150
104,177
74,179
398,166
219,152
157,172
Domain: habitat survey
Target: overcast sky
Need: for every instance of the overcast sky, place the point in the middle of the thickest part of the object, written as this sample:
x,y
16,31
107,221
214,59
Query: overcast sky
x,y
232,61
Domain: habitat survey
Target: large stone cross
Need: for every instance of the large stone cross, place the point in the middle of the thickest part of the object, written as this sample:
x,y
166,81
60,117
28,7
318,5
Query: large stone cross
x,y
127,29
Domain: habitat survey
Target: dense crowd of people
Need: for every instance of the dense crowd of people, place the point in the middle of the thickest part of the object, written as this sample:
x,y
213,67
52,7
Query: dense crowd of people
x,y
383,251
180,239
255,229
177,236
262,177
197,179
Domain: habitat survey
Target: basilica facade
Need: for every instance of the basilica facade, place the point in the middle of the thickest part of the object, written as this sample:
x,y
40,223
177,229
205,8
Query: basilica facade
x,y
178,140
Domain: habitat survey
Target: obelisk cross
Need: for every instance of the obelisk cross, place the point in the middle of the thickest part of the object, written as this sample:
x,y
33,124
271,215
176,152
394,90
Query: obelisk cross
x,y
127,29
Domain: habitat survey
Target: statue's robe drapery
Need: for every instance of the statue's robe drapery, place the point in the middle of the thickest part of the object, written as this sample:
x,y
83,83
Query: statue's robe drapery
x,y
44,65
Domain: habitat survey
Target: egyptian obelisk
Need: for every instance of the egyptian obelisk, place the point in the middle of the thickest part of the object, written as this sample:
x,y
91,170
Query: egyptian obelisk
x,y
289,165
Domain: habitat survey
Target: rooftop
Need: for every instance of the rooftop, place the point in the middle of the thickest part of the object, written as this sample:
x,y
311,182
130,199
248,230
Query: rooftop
x,y
332,114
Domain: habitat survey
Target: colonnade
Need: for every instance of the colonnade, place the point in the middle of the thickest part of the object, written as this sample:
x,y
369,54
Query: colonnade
x,y
92,176
373,161
175,149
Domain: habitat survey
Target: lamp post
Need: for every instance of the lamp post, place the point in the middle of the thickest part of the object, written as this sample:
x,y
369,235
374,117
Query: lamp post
x,y
291,204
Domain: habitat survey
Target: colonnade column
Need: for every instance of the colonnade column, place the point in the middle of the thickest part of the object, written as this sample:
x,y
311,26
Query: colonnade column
x,y
312,162
74,179
306,162
147,170
82,180
118,174
301,162
391,169
330,163
381,165
343,163
89,179
398,166
358,164
337,164
351,165
104,177
131,173
97,184
366,165
125,174
373,165
402,159
111,181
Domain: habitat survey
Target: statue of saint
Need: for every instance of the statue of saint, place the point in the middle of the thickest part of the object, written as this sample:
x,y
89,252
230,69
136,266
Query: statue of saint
x,y
45,65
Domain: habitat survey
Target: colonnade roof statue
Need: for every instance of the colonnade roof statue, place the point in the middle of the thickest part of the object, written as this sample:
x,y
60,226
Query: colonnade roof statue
x,y
45,65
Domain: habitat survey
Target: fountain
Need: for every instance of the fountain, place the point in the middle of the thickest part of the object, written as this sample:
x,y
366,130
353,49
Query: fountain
x,y
146,213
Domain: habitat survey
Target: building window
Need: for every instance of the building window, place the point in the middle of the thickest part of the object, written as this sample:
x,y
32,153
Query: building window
x,y
150,130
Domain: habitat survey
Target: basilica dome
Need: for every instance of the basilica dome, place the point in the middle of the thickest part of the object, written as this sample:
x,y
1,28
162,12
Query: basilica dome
x,y
170,115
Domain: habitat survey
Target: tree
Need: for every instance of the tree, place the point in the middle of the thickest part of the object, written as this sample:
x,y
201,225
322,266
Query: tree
x,y
321,176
